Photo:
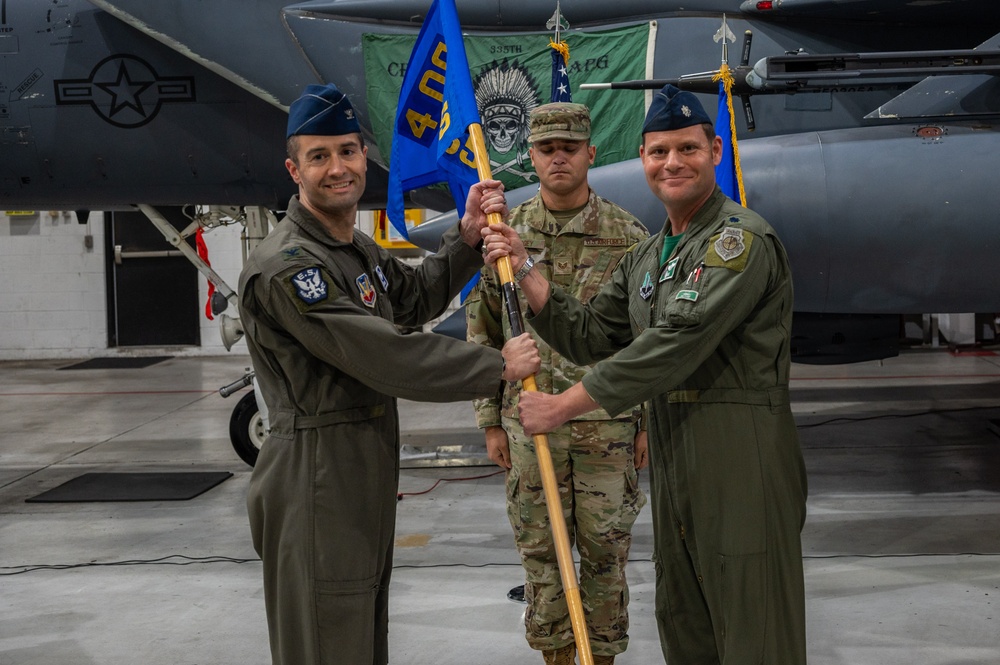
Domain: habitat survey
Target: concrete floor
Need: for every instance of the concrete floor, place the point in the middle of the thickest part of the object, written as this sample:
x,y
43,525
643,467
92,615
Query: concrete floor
x,y
902,543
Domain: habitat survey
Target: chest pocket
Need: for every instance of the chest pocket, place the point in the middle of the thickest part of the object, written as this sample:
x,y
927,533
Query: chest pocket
x,y
683,304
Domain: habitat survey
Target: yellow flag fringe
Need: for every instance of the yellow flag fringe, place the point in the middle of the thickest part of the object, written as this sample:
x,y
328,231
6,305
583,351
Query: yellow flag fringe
x,y
726,76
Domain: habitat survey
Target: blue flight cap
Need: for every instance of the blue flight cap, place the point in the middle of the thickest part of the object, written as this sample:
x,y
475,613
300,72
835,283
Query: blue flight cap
x,y
673,108
322,110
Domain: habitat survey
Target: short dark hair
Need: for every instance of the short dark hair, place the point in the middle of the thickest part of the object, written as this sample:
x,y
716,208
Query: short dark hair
x,y
292,146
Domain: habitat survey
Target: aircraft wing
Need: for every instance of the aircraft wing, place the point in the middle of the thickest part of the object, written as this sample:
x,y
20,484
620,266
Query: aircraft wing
x,y
246,43
949,96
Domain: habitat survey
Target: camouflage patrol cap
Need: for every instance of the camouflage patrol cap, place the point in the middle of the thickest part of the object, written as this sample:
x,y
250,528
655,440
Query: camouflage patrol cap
x,y
560,120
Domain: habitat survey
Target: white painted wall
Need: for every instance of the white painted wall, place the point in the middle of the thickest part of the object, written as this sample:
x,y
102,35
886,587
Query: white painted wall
x,y
52,294
53,288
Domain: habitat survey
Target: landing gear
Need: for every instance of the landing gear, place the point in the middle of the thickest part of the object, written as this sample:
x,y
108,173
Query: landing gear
x,y
246,429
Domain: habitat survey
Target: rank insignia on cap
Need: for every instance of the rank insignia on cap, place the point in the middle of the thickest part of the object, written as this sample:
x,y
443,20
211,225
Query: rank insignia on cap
x,y
686,110
367,291
381,278
646,290
730,244
309,286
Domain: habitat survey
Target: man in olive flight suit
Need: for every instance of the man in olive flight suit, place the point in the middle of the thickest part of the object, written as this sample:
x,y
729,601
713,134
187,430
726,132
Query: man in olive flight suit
x,y
319,301
576,239
698,320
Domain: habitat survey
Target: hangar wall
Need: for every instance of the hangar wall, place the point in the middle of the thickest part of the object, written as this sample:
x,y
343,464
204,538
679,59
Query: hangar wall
x,y
53,301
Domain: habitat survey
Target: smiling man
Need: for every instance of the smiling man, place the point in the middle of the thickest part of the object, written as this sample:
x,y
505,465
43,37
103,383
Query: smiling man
x,y
320,302
576,239
696,321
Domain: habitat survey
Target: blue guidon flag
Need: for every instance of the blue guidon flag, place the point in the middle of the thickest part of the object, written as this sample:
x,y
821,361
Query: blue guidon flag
x,y
430,141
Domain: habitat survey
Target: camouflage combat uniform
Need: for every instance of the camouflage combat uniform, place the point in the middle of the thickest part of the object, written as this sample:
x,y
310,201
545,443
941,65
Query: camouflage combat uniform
x,y
592,455
319,315
705,338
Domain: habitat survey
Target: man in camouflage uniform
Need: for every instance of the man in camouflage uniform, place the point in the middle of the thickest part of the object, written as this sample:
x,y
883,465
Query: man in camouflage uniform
x,y
576,239
320,302
696,320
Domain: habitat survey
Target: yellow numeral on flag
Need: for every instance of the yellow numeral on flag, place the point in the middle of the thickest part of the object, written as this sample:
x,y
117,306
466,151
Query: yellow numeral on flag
x,y
467,155
420,122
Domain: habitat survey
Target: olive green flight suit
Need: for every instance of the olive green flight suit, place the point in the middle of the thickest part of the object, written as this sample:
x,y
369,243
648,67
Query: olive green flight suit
x,y
592,456
705,337
319,317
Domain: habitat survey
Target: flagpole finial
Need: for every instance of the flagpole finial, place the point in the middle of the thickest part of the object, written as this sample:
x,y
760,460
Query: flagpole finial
x,y
557,22
725,35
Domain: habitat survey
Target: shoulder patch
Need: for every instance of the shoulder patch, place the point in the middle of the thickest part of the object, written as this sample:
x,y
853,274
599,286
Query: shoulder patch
x,y
729,249
308,287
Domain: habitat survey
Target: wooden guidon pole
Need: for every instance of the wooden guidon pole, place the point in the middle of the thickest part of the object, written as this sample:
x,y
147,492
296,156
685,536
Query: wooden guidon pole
x,y
564,555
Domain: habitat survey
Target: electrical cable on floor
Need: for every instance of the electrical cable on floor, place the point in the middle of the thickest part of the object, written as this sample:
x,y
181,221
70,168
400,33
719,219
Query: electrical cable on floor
x,y
894,415
162,561
188,561
400,495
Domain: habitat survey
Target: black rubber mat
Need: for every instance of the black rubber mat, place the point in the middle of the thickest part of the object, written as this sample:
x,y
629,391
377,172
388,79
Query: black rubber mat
x,y
118,362
172,486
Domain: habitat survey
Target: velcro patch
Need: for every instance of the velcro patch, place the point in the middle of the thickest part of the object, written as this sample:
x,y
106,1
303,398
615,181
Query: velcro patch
x,y
308,287
729,249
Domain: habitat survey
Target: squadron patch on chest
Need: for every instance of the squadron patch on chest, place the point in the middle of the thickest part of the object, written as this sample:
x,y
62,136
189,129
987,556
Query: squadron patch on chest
x,y
366,290
729,249
310,286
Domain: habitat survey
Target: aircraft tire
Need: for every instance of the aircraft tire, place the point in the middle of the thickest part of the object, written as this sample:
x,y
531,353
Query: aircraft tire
x,y
246,429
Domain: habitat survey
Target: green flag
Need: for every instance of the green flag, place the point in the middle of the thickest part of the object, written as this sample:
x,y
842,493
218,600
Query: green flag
x,y
511,76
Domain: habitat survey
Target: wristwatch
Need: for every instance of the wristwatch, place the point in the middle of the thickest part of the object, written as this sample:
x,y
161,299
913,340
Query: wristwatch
x,y
524,270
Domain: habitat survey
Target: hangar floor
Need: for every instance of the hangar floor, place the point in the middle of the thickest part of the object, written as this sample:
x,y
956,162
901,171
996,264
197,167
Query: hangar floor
x,y
902,543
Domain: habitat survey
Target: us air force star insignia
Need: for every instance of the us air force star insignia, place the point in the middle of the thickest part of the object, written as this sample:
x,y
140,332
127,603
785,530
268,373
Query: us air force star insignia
x,y
730,244
686,111
309,286
365,288
381,278
646,290
669,269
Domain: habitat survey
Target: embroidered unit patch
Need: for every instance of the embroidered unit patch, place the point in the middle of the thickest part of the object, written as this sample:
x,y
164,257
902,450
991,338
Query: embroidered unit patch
x,y
687,295
368,294
310,286
646,290
669,269
381,278
730,244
